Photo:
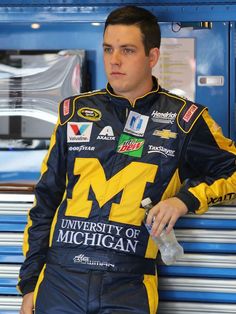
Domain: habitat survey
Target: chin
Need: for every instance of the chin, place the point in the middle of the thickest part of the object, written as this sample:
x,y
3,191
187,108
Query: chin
x,y
118,90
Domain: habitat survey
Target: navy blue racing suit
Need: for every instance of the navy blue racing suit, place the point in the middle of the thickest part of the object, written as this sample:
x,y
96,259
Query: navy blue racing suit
x,y
85,242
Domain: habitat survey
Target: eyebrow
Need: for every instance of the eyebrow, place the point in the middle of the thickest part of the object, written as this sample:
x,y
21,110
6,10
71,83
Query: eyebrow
x,y
122,46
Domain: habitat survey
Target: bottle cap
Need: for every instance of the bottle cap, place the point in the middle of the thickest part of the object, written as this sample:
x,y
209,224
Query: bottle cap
x,y
146,201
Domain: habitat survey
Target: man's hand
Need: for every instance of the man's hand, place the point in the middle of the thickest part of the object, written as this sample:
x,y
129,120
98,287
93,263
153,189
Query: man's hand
x,y
166,213
27,304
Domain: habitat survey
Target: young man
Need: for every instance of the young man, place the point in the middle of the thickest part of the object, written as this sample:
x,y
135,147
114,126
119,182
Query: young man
x,y
87,249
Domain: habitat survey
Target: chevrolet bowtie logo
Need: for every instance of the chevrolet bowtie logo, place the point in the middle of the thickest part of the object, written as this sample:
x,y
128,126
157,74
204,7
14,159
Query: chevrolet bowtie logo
x,y
165,134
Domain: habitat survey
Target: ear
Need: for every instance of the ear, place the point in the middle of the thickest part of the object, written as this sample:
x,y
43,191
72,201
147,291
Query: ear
x,y
154,54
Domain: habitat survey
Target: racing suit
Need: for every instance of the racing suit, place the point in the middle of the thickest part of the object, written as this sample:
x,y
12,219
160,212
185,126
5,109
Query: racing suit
x,y
105,156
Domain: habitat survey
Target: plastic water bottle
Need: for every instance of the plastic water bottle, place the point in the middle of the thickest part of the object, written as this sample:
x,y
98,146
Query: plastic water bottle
x,y
168,245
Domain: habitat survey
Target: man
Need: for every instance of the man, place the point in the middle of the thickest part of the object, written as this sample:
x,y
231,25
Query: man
x,y
87,249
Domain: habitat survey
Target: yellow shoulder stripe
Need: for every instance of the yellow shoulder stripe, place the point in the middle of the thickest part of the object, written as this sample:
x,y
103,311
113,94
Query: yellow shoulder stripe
x,y
223,142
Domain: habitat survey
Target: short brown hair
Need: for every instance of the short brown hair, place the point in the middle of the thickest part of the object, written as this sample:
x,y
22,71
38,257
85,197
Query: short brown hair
x,y
147,22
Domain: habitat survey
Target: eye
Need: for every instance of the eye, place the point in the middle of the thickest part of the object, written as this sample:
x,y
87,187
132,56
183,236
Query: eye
x,y
107,49
128,51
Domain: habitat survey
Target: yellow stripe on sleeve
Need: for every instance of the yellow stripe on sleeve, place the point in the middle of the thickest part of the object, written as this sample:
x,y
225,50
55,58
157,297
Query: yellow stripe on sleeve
x,y
223,142
218,189
173,186
40,279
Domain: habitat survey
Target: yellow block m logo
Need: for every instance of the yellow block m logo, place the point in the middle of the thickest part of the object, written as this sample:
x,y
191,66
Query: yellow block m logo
x,y
131,180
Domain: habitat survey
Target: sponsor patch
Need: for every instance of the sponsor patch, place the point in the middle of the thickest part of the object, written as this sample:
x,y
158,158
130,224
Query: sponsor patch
x,y
79,132
161,150
222,199
86,260
90,114
106,134
163,117
166,134
130,145
136,124
81,148
189,113
66,107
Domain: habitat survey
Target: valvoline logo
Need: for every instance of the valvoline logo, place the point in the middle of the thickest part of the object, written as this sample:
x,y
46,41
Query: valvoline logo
x,y
79,132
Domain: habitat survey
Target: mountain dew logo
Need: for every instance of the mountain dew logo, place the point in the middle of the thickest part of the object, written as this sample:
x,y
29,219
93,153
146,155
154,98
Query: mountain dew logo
x,y
130,145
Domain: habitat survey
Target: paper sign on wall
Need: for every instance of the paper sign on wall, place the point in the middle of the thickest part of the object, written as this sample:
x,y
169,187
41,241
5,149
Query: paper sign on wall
x,y
176,67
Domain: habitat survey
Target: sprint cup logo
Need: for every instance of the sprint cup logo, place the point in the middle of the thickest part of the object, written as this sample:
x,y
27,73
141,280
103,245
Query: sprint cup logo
x,y
161,150
79,132
91,114
85,260
130,145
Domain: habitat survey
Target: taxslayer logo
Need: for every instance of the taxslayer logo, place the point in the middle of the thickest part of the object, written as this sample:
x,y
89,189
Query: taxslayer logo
x,y
90,114
161,150
106,134
189,113
78,132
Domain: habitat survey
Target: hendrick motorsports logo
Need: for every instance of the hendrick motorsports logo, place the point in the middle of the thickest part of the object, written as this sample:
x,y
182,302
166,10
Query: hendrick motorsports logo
x,y
163,117
161,150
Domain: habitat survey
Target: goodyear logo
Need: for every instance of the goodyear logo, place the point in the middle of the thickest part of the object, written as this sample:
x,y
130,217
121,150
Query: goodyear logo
x,y
90,114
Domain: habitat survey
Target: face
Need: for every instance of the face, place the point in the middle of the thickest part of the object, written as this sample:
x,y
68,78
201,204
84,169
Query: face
x,y
128,69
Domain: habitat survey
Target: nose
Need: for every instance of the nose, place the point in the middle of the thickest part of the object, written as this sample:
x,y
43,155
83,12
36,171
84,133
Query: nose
x,y
115,58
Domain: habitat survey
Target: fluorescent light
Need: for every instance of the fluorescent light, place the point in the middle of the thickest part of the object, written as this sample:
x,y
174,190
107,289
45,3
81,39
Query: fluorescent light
x,y
35,25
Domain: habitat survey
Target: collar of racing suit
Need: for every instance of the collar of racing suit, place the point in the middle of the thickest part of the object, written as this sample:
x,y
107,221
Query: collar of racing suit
x,y
140,101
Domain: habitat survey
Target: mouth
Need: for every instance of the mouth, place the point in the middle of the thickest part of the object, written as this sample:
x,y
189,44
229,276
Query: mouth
x,y
117,74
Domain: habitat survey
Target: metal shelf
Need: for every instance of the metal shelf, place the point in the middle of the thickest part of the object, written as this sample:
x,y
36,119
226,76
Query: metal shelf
x,y
67,11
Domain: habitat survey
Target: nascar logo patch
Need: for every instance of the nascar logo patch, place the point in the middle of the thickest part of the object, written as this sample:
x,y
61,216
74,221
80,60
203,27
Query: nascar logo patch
x,y
91,114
